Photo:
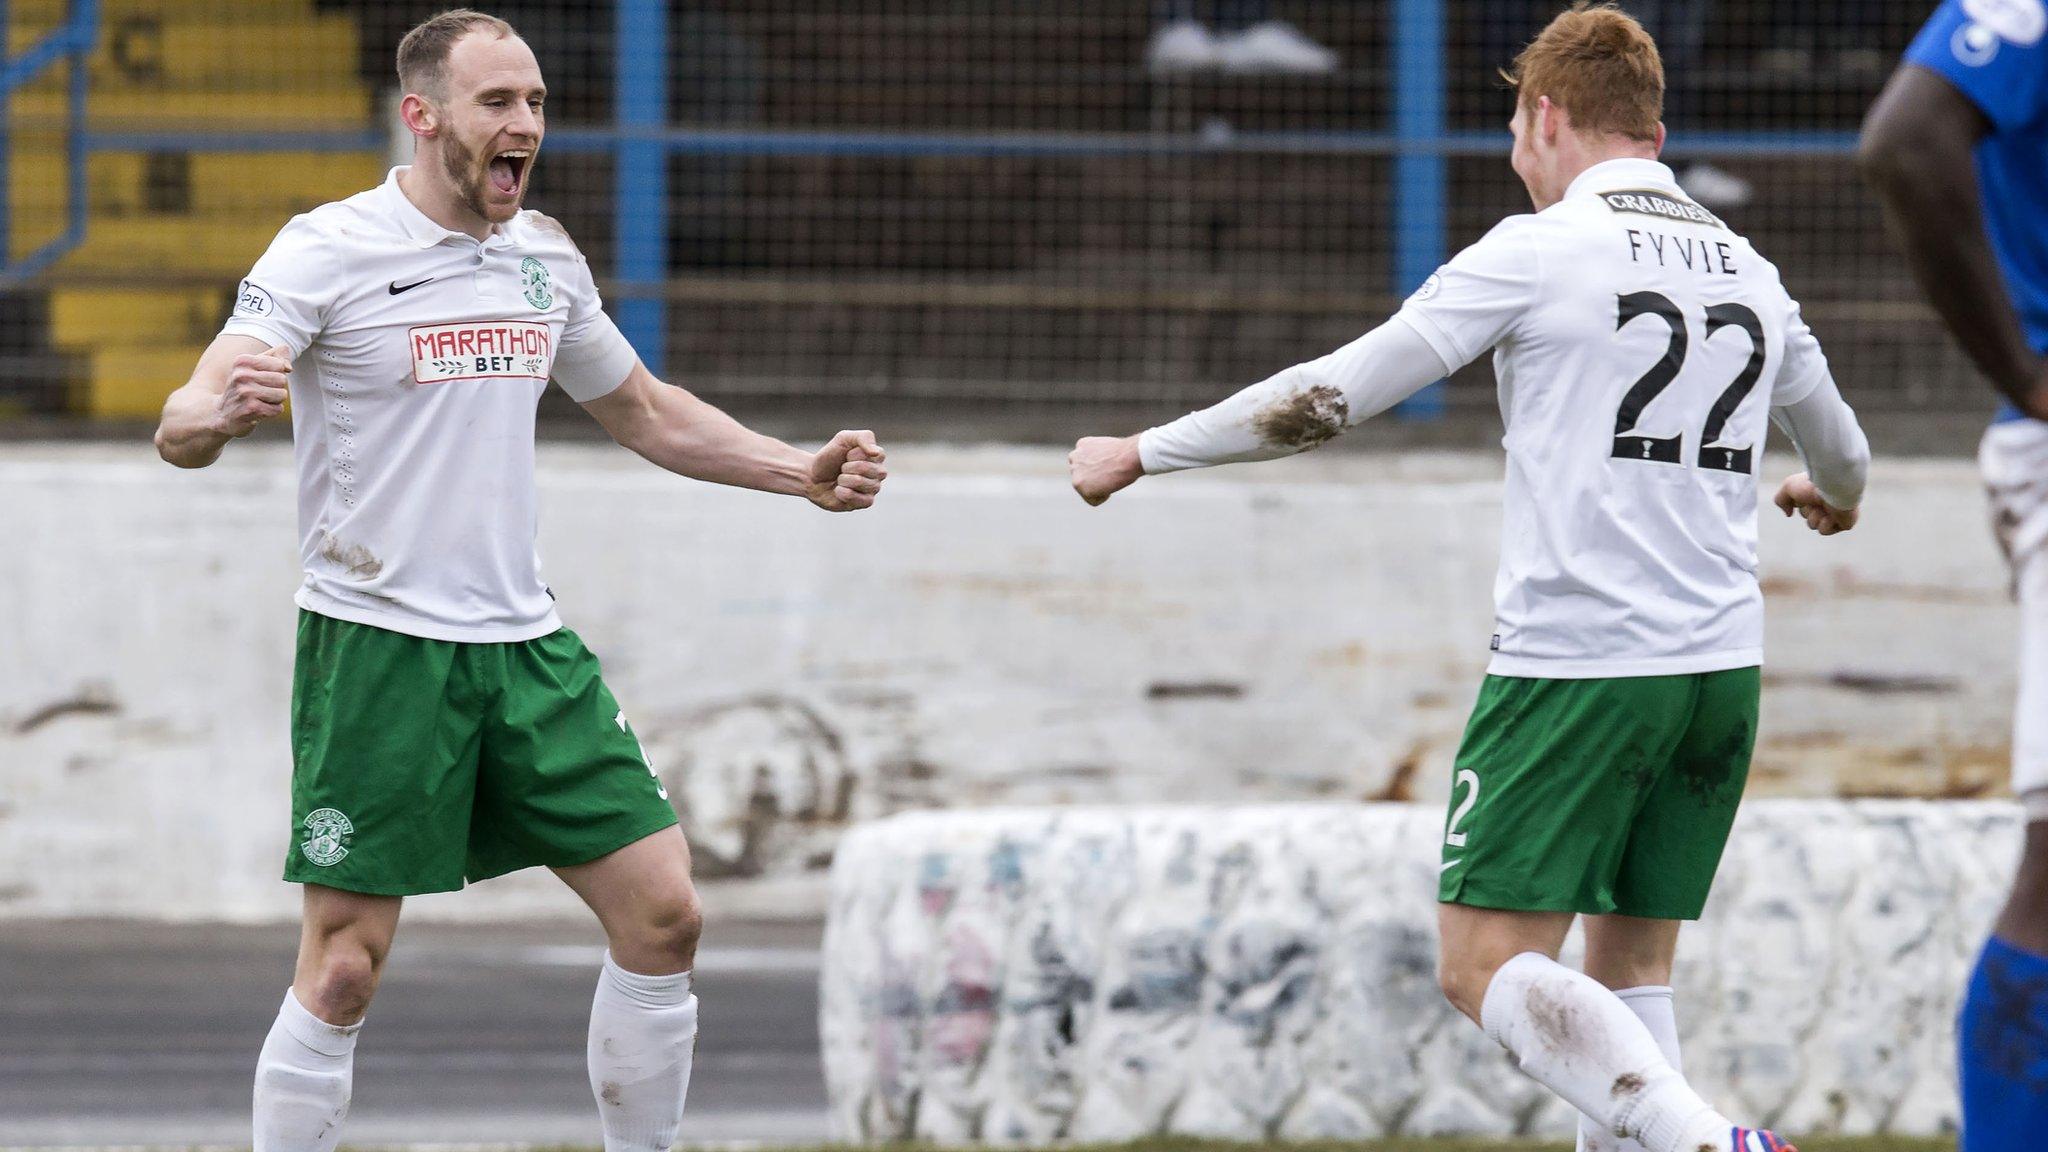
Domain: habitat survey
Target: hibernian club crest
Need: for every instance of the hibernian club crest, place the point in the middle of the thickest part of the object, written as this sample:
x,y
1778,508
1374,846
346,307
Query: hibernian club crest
x,y
327,835
533,277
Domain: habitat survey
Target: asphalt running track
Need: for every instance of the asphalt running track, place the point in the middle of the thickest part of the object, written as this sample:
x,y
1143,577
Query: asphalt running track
x,y
117,1033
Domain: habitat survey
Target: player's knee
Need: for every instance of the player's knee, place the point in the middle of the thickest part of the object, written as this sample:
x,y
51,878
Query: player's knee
x,y
671,926
344,978
1463,984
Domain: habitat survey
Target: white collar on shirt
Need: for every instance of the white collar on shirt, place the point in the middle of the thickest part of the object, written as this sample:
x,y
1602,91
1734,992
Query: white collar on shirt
x,y
1627,172
423,231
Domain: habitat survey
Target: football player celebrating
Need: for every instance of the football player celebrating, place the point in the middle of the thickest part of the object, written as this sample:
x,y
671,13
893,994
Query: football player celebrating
x,y
446,727
1639,344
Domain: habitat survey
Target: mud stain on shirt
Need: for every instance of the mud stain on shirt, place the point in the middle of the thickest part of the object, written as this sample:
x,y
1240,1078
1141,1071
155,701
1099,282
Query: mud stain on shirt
x,y
355,559
1303,420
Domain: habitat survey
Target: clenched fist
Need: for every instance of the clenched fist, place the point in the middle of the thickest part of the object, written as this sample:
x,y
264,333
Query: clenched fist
x,y
1799,495
1102,466
847,474
256,391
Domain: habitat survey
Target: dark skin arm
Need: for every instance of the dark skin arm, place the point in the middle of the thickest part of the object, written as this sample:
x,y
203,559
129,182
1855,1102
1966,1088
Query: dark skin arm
x,y
1917,155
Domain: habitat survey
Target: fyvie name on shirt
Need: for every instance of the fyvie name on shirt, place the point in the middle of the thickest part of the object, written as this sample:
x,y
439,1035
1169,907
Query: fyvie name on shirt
x,y
1698,255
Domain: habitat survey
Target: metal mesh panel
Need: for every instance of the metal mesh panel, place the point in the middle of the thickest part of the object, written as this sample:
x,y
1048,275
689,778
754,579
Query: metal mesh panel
x,y
981,201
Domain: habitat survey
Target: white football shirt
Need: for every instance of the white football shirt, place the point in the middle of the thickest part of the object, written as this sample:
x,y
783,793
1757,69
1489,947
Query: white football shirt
x,y
1639,344
418,357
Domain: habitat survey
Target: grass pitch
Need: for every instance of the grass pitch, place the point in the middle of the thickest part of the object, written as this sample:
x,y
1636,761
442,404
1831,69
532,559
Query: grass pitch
x,y
1416,1144
1166,1144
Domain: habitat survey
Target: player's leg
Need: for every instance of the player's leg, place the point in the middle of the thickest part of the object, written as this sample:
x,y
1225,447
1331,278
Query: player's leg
x,y
2003,1030
1674,849
383,770
643,896
305,1070
564,784
2023,922
1632,957
643,1018
344,938
1569,1032
1549,780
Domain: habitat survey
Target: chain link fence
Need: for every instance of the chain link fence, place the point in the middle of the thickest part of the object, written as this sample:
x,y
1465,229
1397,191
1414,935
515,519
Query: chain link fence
x,y
991,204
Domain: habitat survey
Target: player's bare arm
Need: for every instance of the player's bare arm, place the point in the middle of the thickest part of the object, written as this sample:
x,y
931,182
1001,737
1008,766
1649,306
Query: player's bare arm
x,y
237,385
676,431
1290,412
1917,154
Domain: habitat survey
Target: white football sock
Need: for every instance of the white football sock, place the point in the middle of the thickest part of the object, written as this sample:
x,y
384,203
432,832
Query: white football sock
x,y
1652,1004
302,1081
1579,1040
643,1031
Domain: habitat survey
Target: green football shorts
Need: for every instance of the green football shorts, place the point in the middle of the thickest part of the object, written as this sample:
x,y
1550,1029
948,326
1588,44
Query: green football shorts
x,y
417,764
1598,796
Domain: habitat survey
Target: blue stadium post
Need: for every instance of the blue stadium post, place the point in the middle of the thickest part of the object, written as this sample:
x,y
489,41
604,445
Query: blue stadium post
x,y
1420,180
640,182
84,33
6,156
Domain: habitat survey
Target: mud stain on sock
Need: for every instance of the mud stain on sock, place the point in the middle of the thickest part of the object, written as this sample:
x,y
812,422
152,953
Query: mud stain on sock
x,y
1556,1021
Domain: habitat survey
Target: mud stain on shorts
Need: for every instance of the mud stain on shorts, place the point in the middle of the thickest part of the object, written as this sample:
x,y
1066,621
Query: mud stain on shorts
x,y
1707,777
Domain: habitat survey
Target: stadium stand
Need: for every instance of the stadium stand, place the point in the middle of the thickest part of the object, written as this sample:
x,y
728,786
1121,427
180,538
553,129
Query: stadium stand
x,y
171,231
984,202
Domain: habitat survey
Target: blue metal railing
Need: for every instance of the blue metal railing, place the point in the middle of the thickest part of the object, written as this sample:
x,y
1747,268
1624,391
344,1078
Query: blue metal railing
x,y
1419,183
71,40
684,141
640,181
641,142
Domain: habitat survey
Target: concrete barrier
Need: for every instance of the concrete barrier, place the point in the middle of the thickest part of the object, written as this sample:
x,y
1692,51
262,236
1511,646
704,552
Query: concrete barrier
x,y
1311,629
1267,972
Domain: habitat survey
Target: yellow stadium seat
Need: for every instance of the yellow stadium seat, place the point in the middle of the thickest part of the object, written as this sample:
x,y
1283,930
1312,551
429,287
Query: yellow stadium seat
x,y
89,318
180,51
133,381
329,109
169,234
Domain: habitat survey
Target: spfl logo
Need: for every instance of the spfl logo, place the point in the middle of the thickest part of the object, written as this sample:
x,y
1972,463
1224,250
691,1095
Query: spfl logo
x,y
533,277
252,301
327,836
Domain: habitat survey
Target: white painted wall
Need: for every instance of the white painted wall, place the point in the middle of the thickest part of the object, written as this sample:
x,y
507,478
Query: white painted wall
x,y
1309,629
1021,975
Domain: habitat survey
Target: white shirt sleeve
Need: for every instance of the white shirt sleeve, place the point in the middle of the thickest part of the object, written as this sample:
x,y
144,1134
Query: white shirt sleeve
x,y
1470,304
595,357
1823,427
287,294
1300,407
1805,365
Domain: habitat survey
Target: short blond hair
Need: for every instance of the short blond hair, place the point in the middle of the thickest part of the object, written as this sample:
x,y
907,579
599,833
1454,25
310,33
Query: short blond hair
x,y
1599,65
423,54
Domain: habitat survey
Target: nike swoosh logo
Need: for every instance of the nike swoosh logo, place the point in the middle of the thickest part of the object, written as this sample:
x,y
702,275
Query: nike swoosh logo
x,y
1447,865
396,287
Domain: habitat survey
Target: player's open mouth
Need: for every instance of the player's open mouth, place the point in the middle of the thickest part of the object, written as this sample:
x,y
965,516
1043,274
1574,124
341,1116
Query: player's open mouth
x,y
508,170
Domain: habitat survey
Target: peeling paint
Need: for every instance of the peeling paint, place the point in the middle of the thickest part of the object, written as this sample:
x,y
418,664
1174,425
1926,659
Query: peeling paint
x,y
1254,972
